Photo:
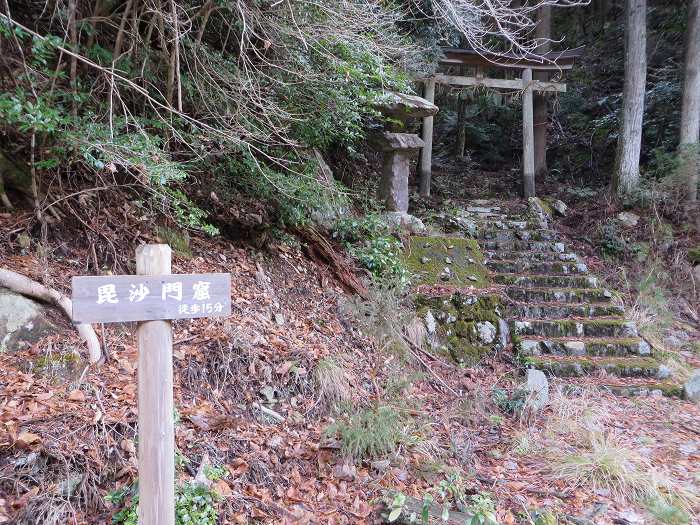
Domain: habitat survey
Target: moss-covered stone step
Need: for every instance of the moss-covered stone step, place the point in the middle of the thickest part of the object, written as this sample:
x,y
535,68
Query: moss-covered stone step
x,y
561,311
516,235
506,224
606,346
580,366
541,281
576,328
558,295
506,255
520,246
631,388
537,267
450,261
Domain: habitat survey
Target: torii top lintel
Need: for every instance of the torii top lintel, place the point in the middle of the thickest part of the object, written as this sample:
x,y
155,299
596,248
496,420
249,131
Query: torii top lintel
x,y
551,61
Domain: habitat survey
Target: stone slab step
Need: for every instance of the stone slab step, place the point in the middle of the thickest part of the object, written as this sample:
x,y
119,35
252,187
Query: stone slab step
x,y
527,246
504,224
575,328
561,311
516,235
537,267
580,366
558,295
505,255
608,346
633,387
542,281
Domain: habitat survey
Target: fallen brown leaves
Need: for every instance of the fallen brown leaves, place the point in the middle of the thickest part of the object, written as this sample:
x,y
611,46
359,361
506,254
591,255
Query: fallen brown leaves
x,y
285,471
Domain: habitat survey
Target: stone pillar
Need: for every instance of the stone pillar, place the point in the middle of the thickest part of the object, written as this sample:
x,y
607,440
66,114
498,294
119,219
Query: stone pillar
x,y
393,187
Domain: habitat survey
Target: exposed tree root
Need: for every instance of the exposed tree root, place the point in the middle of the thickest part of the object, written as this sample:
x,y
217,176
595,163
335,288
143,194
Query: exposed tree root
x,y
23,285
318,248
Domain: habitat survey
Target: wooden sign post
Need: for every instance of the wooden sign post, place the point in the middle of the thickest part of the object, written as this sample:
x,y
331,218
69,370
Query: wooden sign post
x,y
153,296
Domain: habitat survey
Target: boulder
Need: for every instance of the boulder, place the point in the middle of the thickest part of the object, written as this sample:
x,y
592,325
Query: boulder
x,y
628,219
486,332
691,388
404,222
664,372
559,207
537,389
22,321
401,106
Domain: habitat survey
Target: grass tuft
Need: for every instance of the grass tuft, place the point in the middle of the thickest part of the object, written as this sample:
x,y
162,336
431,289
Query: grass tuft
x,y
371,432
333,387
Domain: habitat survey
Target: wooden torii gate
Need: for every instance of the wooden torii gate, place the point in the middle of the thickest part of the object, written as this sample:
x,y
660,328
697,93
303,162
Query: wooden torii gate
x,y
511,67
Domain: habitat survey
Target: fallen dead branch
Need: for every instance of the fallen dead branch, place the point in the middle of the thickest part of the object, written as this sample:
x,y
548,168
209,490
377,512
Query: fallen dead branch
x,y
20,284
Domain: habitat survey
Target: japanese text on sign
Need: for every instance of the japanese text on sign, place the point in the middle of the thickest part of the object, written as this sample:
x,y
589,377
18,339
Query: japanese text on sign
x,y
141,298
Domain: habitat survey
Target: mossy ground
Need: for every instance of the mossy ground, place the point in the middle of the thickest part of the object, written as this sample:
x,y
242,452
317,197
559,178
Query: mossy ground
x,y
466,261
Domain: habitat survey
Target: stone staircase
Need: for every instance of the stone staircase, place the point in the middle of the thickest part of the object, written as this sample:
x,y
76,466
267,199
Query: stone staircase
x,y
562,320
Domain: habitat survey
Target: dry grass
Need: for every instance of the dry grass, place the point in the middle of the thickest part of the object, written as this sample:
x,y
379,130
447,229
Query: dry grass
x,y
577,415
606,464
332,384
583,453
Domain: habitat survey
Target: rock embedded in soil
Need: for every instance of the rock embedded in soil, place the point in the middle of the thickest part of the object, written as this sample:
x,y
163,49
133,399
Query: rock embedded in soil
x,y
560,207
486,332
537,388
22,321
691,388
628,219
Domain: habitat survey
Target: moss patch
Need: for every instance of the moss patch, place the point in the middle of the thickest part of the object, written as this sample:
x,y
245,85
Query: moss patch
x,y
179,240
694,255
427,257
457,317
58,366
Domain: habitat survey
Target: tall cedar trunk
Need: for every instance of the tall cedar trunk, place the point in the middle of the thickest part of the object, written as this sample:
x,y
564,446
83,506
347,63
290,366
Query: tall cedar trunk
x,y
690,112
626,175
461,143
539,100
73,36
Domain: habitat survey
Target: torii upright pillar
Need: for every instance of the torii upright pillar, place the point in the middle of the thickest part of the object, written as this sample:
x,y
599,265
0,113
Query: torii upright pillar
x,y
426,155
528,137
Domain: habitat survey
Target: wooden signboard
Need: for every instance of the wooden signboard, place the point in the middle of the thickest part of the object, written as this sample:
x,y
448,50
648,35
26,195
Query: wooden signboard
x,y
120,298
153,297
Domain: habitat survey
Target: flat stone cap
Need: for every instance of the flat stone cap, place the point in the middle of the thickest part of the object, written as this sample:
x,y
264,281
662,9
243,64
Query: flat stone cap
x,y
388,141
402,106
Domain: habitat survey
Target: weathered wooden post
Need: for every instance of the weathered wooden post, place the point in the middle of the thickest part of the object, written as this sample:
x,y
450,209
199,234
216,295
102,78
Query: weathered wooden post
x,y
528,137
155,403
426,156
153,297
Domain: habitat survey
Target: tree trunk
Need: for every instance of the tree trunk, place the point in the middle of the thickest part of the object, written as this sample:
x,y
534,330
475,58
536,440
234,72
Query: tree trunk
x,y
539,99
690,110
461,143
626,175
73,36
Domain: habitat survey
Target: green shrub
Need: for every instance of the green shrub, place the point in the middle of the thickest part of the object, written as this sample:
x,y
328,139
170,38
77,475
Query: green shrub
x,y
510,403
610,239
295,195
369,240
194,504
370,432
